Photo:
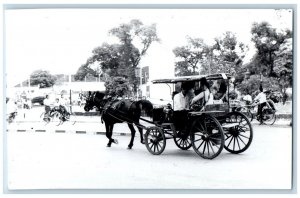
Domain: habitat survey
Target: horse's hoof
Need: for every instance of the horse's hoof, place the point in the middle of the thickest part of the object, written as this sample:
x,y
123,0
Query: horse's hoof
x,y
143,142
116,141
108,145
129,147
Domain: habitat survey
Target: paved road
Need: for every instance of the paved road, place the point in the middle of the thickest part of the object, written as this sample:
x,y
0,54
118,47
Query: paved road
x,y
82,161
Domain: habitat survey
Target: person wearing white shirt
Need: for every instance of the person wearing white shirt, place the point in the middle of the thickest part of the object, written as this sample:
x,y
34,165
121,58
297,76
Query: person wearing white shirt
x,y
183,99
182,104
247,98
261,99
47,104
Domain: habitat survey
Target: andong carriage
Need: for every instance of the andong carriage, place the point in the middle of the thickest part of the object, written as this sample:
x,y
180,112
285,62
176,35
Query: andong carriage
x,y
208,131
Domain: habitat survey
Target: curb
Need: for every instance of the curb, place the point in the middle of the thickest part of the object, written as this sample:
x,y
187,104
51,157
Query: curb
x,y
87,113
284,116
65,131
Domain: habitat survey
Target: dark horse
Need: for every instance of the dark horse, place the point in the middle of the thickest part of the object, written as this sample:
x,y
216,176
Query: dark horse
x,y
118,111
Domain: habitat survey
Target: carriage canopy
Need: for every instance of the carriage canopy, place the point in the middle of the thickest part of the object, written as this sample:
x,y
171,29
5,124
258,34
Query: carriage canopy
x,y
193,78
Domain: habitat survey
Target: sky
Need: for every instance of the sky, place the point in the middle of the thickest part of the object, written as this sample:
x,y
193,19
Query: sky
x,y
61,40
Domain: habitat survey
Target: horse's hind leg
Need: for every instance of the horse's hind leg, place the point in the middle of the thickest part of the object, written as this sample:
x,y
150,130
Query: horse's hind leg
x,y
132,135
141,134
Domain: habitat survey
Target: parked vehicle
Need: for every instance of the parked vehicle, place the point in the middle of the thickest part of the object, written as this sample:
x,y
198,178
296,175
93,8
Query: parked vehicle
x,y
38,99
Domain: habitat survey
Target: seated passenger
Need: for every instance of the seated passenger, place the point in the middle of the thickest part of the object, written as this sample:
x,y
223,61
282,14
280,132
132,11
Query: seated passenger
x,y
212,99
182,104
204,94
222,92
183,98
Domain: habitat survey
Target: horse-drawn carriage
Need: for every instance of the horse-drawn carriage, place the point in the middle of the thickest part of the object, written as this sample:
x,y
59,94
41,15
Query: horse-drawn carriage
x,y
208,131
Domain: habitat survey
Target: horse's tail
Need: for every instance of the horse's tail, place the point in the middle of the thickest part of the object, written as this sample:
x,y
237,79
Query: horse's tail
x,y
147,106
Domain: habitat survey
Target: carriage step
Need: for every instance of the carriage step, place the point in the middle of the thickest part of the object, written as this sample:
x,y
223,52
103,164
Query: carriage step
x,y
230,125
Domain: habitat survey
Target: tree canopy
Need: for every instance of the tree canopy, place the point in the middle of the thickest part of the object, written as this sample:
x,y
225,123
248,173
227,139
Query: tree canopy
x,y
122,58
42,78
225,55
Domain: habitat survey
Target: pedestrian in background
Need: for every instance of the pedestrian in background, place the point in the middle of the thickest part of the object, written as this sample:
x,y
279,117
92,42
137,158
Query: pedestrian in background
x,y
47,104
261,99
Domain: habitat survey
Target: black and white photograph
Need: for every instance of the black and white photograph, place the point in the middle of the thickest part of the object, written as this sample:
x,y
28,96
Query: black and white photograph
x,y
149,98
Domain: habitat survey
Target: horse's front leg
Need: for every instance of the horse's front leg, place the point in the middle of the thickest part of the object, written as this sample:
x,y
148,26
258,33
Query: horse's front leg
x,y
109,131
132,135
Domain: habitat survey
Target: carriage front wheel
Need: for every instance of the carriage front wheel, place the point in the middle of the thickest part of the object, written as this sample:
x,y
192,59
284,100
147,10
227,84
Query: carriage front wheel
x,y
155,140
207,136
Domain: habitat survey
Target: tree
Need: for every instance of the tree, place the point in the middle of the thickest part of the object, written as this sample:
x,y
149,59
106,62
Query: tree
x,y
42,78
272,63
252,84
83,71
121,59
267,41
117,87
189,57
225,55
135,39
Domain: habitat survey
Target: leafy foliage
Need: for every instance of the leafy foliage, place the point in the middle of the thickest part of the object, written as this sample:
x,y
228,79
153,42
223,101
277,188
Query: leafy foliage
x,y
121,59
190,57
42,78
225,55
117,86
267,41
253,83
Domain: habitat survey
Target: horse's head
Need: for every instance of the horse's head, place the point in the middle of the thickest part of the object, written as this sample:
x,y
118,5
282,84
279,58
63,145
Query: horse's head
x,y
94,100
89,103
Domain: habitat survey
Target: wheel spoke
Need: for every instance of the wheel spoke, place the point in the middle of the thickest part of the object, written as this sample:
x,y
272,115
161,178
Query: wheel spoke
x,y
151,146
233,143
200,144
204,147
210,144
230,141
241,140
181,142
159,145
207,143
228,136
197,140
238,143
243,136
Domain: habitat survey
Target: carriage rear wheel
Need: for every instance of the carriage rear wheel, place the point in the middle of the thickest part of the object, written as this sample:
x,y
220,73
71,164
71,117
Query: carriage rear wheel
x,y
207,136
183,141
155,140
238,132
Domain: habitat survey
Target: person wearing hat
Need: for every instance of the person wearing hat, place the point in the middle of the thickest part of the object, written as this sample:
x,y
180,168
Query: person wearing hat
x,y
204,94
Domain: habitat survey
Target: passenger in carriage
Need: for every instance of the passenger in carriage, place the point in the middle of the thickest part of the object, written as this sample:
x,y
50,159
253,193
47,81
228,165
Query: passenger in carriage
x,y
183,99
182,104
204,94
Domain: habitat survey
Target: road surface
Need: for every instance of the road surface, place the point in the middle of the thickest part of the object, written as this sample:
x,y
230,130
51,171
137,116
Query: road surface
x,y
70,160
